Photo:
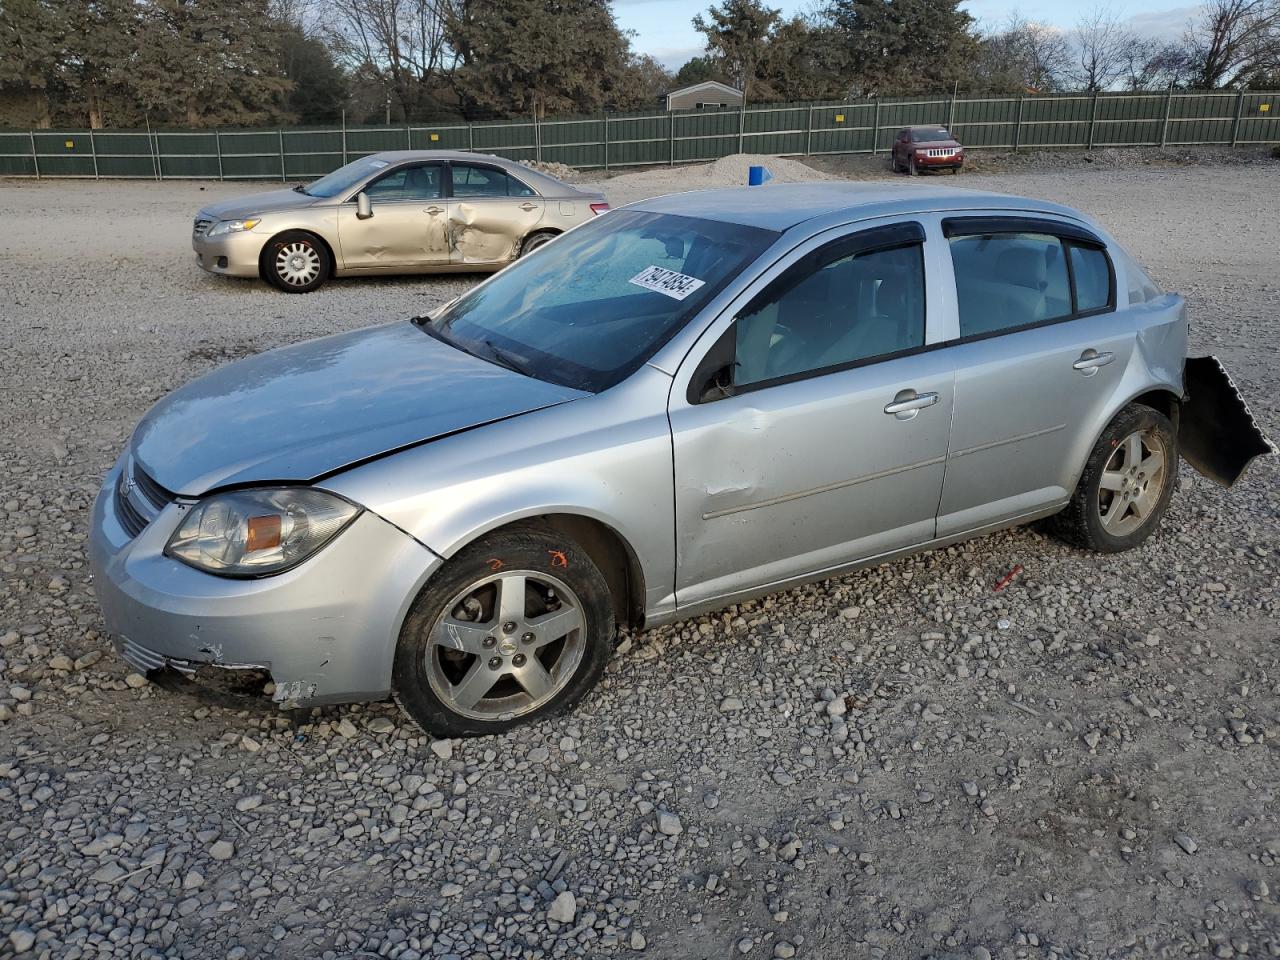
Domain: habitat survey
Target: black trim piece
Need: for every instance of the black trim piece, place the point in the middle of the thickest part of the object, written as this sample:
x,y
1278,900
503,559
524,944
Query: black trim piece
x,y
979,226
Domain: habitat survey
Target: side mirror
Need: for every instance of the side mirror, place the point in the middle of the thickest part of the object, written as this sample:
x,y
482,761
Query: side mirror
x,y
364,209
717,386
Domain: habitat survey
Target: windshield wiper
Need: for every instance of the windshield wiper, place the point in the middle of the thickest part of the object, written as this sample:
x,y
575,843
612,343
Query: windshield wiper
x,y
504,359
300,188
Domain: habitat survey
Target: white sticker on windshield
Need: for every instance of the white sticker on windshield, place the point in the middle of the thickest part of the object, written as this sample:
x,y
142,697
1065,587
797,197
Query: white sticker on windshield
x,y
677,286
379,164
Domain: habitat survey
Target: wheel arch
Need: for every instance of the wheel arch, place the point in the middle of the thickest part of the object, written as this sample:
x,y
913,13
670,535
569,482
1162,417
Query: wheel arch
x,y
1165,398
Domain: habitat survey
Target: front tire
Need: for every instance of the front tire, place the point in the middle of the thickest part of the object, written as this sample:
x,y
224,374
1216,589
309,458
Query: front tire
x,y
518,626
1126,485
296,262
912,169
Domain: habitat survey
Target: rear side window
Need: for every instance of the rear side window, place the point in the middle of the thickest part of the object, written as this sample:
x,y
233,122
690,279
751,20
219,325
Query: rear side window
x,y
1092,275
833,313
469,181
1006,281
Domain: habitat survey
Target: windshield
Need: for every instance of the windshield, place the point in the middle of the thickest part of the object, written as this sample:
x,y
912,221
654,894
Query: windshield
x,y
589,309
344,178
930,136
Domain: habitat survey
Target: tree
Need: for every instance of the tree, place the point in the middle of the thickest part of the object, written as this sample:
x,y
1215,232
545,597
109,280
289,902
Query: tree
x,y
1103,48
641,83
738,35
1231,39
319,88
699,70
32,35
903,46
802,62
1022,57
536,56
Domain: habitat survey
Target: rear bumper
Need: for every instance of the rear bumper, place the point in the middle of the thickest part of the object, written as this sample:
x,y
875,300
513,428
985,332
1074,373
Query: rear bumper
x,y
326,630
231,254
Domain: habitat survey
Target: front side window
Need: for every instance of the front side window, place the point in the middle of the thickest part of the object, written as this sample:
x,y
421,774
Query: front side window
x,y
1009,280
408,183
345,177
591,308
472,181
837,311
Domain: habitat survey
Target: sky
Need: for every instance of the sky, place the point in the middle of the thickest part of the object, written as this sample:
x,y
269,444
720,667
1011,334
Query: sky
x,y
663,27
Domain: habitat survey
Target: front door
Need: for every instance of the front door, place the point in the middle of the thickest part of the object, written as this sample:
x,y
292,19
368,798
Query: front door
x,y
814,431
491,214
409,226
1042,351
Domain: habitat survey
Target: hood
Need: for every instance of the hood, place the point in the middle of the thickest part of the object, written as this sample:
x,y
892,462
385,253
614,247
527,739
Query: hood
x,y
266,202
299,412
939,145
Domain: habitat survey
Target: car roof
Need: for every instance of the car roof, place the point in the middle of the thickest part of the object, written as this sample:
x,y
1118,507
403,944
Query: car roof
x,y
459,156
781,206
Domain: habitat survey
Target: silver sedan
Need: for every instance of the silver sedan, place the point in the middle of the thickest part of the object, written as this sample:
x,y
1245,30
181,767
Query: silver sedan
x,y
691,401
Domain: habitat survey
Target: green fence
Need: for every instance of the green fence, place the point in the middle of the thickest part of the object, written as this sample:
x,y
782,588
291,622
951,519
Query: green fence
x,y
1166,118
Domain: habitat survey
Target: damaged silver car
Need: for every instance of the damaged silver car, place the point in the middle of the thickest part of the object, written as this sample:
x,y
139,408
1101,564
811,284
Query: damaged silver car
x,y
691,401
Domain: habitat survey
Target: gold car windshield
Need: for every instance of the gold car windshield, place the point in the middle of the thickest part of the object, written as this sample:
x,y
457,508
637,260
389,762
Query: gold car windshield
x,y
589,309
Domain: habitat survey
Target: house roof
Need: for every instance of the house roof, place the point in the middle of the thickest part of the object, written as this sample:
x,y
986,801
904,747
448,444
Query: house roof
x,y
704,85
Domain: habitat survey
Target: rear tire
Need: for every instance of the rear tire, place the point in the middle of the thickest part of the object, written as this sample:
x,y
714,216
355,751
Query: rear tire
x,y
517,627
534,241
296,262
1126,485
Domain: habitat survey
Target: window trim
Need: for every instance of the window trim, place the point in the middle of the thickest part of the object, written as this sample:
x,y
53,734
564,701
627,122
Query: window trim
x,y
908,233
1068,234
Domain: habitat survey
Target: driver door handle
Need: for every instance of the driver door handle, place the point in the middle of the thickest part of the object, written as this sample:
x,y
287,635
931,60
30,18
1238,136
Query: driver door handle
x,y
908,403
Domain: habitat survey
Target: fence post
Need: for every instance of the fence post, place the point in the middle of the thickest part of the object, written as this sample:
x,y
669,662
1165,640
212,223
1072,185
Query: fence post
x,y
280,135
808,134
93,149
537,137
951,113
875,127
1017,125
606,140
35,157
742,122
1235,125
1168,109
408,136
217,142
1093,117
471,137
344,138
671,115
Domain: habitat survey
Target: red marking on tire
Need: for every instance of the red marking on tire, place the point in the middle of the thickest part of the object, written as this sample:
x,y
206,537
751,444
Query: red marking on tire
x,y
558,559
495,564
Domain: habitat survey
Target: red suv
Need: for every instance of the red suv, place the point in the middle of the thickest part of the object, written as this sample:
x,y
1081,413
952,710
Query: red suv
x,y
926,148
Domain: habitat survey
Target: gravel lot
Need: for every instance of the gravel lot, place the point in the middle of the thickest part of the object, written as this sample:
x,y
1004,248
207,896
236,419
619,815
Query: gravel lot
x,y
897,763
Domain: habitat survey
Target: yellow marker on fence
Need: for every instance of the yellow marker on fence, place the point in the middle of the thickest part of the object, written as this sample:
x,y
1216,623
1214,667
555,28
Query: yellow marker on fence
x,y
435,137
839,118
69,144
1264,108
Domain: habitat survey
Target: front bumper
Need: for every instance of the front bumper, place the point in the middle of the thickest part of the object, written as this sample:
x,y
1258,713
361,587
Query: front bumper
x,y
230,254
325,630
953,162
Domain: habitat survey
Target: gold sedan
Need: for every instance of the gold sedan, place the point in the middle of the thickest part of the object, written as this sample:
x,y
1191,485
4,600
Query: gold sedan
x,y
405,211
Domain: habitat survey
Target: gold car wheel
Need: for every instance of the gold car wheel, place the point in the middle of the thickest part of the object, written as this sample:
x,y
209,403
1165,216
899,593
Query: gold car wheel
x,y
298,263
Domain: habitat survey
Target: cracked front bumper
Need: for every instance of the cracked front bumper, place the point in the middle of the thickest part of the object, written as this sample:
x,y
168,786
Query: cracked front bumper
x,y
325,630
230,254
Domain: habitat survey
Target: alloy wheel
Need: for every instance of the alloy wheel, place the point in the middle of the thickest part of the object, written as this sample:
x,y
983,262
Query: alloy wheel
x,y
1132,482
506,645
298,263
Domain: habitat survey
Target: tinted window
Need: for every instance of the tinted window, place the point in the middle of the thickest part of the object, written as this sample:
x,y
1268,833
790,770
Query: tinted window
x,y
930,136
469,181
853,308
1092,275
408,183
592,307
344,178
1009,280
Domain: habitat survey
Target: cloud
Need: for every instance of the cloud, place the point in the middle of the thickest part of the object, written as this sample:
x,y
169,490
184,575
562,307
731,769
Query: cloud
x,y
675,57
1163,25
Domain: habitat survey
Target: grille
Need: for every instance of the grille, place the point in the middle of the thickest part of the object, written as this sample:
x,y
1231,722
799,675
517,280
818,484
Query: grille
x,y
145,661
139,499
201,226
940,152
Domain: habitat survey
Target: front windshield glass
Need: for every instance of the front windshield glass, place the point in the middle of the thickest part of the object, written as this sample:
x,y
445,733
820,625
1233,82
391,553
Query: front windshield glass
x,y
589,309
344,178
930,136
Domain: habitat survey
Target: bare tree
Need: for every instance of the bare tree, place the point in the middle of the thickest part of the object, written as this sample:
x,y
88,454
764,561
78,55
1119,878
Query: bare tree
x,y
1103,47
1036,54
397,44
1231,39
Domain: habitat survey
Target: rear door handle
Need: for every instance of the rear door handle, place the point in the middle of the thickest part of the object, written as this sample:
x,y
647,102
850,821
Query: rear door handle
x,y
528,207
908,403
1091,360
434,211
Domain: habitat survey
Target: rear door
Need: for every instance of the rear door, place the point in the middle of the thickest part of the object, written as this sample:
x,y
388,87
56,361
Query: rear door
x,y
408,226
1041,353
491,212
812,430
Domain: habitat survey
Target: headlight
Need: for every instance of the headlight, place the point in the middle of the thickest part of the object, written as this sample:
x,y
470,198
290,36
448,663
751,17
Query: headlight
x,y
253,533
233,226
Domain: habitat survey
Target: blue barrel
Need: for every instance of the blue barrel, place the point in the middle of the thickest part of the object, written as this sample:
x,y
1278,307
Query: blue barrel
x,y
757,176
